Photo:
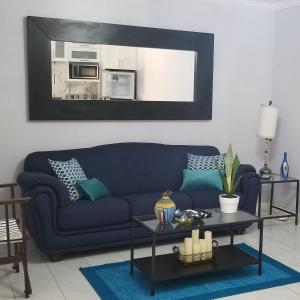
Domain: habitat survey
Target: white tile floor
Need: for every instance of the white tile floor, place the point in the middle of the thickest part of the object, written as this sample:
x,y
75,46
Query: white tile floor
x,y
62,280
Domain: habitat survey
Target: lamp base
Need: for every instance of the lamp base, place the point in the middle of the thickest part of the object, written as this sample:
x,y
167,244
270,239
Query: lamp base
x,y
265,172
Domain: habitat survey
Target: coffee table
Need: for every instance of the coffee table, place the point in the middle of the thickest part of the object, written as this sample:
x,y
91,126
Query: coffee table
x,y
167,267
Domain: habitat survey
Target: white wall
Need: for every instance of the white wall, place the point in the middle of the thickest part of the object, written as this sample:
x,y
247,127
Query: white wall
x,y
286,93
242,77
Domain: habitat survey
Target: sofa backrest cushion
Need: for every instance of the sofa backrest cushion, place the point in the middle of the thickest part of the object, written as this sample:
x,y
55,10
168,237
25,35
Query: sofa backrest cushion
x,y
126,168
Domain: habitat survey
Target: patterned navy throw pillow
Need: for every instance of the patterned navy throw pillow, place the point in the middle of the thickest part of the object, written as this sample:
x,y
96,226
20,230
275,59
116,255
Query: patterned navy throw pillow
x,y
69,172
199,162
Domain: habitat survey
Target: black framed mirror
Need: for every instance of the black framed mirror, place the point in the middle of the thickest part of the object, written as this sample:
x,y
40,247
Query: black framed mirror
x,y
96,71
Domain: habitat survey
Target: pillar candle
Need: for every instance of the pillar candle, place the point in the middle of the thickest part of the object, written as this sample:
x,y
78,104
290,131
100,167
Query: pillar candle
x,y
208,235
195,235
196,248
202,243
196,251
208,242
188,247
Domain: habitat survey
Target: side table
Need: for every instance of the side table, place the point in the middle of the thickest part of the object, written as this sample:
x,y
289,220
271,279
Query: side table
x,y
277,179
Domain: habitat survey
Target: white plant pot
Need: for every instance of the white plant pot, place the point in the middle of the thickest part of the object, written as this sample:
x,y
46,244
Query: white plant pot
x,y
229,205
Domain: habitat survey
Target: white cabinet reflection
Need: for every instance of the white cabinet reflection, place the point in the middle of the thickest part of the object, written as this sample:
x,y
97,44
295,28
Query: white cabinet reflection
x,y
109,72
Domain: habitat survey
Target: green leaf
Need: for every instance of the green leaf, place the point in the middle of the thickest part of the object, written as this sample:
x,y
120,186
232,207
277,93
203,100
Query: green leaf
x,y
228,166
225,185
236,183
235,166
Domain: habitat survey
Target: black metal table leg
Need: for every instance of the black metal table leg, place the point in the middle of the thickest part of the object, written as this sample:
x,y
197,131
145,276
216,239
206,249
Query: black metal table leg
x,y
153,265
271,198
131,247
297,203
259,205
261,231
231,236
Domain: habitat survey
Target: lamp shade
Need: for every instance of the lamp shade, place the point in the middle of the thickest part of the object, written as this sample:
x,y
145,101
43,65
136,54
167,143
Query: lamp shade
x,y
267,121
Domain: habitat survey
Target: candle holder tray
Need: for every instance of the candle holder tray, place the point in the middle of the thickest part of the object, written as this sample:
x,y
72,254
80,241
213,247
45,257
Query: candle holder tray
x,y
196,259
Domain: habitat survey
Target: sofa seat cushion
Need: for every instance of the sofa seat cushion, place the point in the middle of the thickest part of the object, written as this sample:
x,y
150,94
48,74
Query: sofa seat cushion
x,y
208,198
84,214
143,204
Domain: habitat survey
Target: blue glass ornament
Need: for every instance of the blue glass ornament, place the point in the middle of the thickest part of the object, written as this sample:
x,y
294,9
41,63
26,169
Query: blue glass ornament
x,y
284,169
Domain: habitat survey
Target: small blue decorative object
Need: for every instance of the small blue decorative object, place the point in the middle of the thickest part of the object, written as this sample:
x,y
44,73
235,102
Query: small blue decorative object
x,y
284,169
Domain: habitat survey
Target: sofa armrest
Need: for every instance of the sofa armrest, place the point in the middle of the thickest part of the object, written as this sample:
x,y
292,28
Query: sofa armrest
x,y
249,186
29,181
246,171
244,168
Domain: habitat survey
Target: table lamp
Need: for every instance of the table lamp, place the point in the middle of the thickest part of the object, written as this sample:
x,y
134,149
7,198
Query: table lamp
x,y
266,129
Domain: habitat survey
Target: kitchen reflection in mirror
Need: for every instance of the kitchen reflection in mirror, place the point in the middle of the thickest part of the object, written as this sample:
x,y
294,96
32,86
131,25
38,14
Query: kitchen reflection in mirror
x,y
109,72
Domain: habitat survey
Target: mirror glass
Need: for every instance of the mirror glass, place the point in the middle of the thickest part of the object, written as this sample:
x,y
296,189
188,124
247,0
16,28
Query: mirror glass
x,y
111,72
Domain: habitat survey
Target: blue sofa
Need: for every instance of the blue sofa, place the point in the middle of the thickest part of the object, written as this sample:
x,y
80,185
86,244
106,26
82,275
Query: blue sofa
x,y
135,173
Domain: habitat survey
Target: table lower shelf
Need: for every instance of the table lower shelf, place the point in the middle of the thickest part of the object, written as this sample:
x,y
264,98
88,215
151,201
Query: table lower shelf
x,y
168,267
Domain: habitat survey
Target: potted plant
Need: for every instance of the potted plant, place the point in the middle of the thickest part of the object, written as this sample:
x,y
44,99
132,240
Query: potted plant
x,y
229,201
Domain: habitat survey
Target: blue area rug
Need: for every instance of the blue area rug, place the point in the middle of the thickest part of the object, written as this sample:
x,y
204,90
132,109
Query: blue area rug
x,y
113,282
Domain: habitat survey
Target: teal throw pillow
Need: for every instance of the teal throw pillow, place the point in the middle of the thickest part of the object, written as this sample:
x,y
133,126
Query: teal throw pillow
x,y
93,188
68,172
201,179
201,162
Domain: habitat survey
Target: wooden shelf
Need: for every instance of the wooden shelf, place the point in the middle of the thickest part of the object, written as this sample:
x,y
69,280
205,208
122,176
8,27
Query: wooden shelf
x,y
168,267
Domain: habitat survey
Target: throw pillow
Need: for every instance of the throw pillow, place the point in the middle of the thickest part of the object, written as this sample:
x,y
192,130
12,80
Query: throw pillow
x,y
93,188
201,179
68,172
200,162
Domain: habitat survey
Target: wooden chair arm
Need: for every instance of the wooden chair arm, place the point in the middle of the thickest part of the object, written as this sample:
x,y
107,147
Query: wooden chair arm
x,y
15,201
5,185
